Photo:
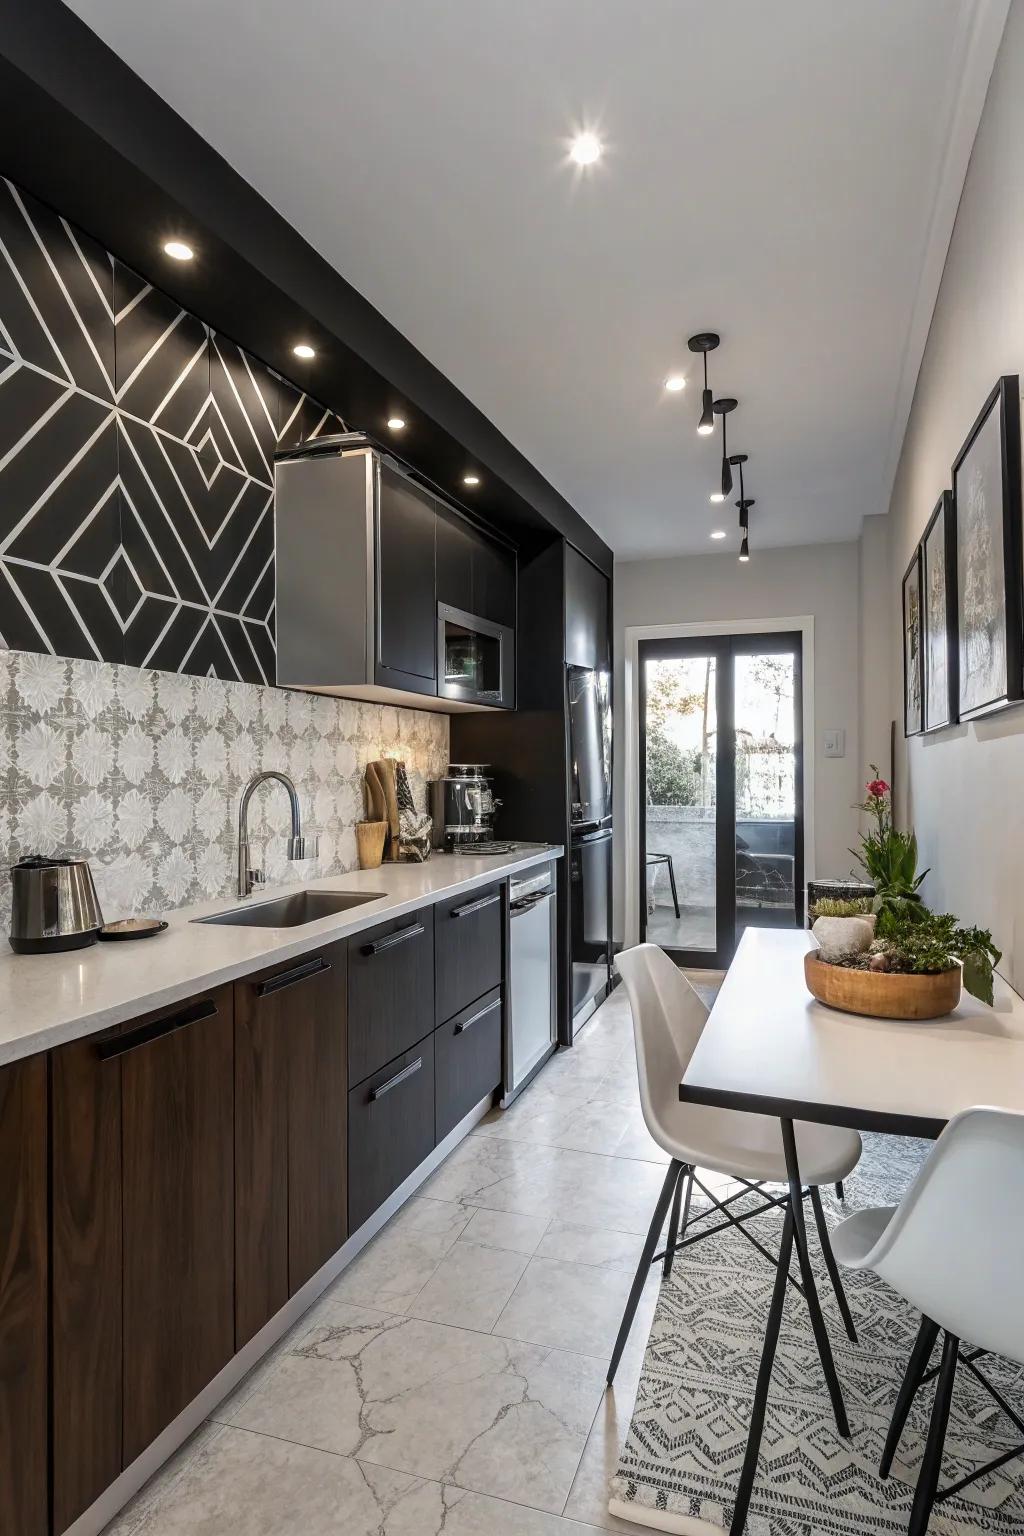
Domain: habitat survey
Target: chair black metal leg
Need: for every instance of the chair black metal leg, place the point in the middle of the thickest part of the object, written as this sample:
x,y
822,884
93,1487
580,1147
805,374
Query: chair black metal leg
x,y
677,1225
920,1356
643,1268
840,1191
831,1265
821,1337
672,883
928,1479
764,1377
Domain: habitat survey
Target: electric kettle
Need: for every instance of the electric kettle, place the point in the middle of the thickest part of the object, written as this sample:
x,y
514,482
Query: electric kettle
x,y
54,905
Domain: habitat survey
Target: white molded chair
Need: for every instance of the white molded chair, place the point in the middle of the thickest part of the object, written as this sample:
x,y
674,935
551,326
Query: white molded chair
x,y
954,1248
668,1017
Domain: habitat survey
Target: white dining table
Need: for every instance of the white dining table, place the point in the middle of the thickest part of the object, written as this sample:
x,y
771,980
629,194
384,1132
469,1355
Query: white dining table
x,y
770,1048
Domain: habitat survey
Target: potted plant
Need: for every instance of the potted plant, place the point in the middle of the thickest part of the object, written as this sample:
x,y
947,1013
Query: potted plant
x,y
888,856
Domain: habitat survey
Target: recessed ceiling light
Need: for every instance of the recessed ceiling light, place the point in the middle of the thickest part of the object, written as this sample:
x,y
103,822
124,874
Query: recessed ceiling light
x,y
717,496
718,533
303,349
585,149
471,479
178,250
675,382
396,423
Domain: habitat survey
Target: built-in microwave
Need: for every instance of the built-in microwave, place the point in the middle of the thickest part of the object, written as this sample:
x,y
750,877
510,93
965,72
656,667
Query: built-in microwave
x,y
475,659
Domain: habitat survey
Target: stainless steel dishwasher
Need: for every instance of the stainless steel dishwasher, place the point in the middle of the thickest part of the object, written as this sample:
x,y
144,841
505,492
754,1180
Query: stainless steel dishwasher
x,y
530,1016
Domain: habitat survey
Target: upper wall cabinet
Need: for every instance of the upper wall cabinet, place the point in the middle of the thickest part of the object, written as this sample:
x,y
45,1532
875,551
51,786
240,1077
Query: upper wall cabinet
x,y
587,613
376,579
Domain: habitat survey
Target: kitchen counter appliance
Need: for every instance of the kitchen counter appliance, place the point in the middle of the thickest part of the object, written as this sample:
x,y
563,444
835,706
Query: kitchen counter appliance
x,y
530,1018
590,838
462,806
54,905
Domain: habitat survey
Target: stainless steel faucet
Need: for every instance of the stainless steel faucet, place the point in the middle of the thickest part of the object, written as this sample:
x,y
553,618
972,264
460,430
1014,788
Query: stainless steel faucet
x,y
299,847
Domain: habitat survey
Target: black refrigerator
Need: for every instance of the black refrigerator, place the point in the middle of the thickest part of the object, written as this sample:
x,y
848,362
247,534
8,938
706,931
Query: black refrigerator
x,y
588,697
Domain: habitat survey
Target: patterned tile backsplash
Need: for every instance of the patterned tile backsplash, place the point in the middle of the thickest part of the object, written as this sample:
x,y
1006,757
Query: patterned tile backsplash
x,y
141,772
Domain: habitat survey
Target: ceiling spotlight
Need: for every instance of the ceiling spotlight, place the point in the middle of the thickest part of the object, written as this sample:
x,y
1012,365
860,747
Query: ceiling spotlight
x,y
744,551
718,533
717,496
705,341
304,350
723,407
675,382
585,149
471,479
178,250
396,423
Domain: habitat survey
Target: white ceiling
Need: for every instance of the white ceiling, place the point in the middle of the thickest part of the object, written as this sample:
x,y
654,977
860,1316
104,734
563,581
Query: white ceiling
x,y
783,173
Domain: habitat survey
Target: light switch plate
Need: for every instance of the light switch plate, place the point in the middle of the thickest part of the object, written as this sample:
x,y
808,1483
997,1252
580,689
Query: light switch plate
x,y
835,743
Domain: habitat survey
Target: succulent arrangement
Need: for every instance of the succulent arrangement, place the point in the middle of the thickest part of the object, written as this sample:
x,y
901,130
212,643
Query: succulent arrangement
x,y
896,933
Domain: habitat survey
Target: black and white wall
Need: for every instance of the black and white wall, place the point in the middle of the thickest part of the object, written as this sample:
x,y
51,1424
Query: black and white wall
x,y
136,464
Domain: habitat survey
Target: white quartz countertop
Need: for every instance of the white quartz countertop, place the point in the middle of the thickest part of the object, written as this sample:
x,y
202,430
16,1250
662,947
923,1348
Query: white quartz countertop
x,y
47,1000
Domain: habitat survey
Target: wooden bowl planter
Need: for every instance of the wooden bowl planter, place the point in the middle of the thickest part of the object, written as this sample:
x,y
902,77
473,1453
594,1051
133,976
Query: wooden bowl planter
x,y
882,994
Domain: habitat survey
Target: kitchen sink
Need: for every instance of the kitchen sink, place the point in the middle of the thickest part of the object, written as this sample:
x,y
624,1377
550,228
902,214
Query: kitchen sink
x,y
292,911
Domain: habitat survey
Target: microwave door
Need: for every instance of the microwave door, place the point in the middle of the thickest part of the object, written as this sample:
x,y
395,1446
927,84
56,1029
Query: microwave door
x,y
590,744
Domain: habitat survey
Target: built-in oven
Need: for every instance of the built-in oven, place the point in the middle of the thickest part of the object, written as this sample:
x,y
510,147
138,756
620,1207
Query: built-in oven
x,y
475,659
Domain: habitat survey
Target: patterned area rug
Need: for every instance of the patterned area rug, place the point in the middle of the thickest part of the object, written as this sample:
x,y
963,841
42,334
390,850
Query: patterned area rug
x,y
681,1461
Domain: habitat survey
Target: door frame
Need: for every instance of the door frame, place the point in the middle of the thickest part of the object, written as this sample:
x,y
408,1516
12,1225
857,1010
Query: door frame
x,y
706,629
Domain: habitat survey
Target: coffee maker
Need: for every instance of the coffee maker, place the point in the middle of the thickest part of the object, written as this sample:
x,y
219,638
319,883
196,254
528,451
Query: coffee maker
x,y
462,806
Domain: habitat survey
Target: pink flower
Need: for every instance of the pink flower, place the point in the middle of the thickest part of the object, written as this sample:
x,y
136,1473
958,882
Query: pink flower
x,y
878,788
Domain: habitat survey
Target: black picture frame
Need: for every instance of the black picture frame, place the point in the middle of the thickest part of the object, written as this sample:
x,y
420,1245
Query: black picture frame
x,y
988,558
938,617
913,649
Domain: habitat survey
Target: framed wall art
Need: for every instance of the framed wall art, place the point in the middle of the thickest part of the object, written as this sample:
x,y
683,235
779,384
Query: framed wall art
x,y
913,660
987,515
938,614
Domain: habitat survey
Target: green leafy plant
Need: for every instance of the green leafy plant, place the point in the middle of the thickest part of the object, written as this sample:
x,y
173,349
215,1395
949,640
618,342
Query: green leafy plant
x,y
830,906
918,942
888,856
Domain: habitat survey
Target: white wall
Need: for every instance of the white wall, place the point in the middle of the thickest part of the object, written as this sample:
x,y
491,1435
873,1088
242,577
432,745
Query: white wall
x,y
822,580
962,788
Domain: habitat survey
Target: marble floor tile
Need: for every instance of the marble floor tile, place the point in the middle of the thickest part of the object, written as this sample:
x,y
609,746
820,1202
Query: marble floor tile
x,y
567,1305
504,1229
470,1286
588,1127
591,1245
494,1415
393,1269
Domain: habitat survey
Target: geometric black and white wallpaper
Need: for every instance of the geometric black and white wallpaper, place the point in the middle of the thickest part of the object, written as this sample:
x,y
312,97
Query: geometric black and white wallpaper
x,y
136,464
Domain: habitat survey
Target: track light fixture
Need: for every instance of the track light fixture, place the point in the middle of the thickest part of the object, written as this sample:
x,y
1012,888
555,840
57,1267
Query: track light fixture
x,y
723,408
744,504
744,551
705,342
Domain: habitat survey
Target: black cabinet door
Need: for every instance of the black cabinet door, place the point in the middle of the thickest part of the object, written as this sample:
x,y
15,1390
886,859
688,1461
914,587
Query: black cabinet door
x,y
494,582
406,600
390,990
390,1129
467,1061
467,948
317,1119
455,549
587,613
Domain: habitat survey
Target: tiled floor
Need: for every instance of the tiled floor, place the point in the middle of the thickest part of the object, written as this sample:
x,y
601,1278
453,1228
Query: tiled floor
x,y
454,1376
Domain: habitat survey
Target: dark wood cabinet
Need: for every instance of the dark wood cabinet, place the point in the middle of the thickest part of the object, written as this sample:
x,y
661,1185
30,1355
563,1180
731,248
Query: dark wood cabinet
x,y
467,1061
390,1128
177,1114
405,599
317,1119
88,1357
467,948
23,1299
587,613
390,990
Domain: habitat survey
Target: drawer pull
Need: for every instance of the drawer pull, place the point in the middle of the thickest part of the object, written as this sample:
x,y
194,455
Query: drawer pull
x,y
290,978
475,906
399,1077
481,1013
119,1045
391,939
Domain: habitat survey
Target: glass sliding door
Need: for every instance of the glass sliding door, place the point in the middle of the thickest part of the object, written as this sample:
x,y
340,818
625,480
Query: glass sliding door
x,y
721,785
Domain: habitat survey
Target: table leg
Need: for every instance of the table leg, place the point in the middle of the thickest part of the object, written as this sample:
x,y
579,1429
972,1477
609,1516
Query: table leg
x,y
821,1338
764,1377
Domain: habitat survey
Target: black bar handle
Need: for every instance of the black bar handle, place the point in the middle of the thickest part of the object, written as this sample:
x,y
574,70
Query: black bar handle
x,y
391,939
118,1045
399,1077
475,906
292,977
464,1024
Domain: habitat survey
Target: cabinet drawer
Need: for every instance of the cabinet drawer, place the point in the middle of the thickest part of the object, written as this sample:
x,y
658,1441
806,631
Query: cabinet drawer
x,y
467,1061
390,991
467,948
390,1129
